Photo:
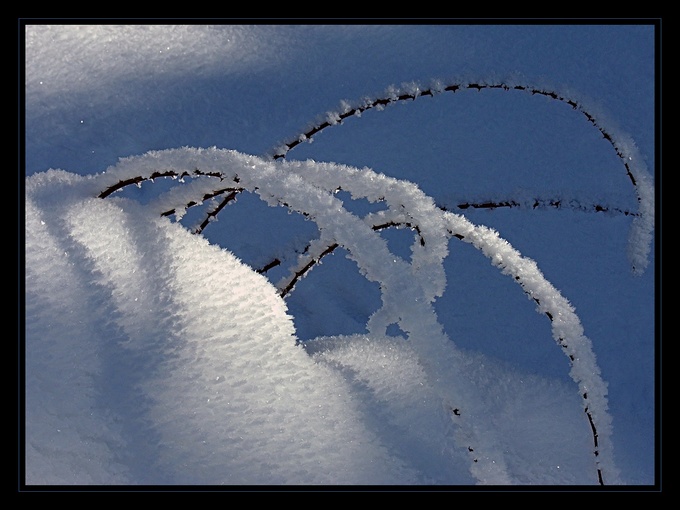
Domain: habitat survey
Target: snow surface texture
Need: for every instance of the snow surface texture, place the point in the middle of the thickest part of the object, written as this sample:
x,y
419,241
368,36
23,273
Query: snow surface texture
x,y
216,377
404,351
211,386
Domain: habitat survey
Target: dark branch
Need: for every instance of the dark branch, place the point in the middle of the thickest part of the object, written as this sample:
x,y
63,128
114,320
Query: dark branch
x,y
455,88
139,179
272,264
540,203
207,196
216,211
300,273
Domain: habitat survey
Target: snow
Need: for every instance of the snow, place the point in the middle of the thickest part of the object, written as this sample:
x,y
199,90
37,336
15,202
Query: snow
x,y
400,336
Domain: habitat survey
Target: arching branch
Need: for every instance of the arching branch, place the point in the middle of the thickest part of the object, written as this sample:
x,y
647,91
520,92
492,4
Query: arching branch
x,y
382,102
140,178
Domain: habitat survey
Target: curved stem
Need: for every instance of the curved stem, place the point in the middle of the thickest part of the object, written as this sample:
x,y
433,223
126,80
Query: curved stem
x,y
397,96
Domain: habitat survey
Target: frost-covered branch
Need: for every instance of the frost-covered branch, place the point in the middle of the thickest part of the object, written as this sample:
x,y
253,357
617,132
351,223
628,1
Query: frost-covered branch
x,y
566,327
316,251
411,92
138,179
621,143
624,147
